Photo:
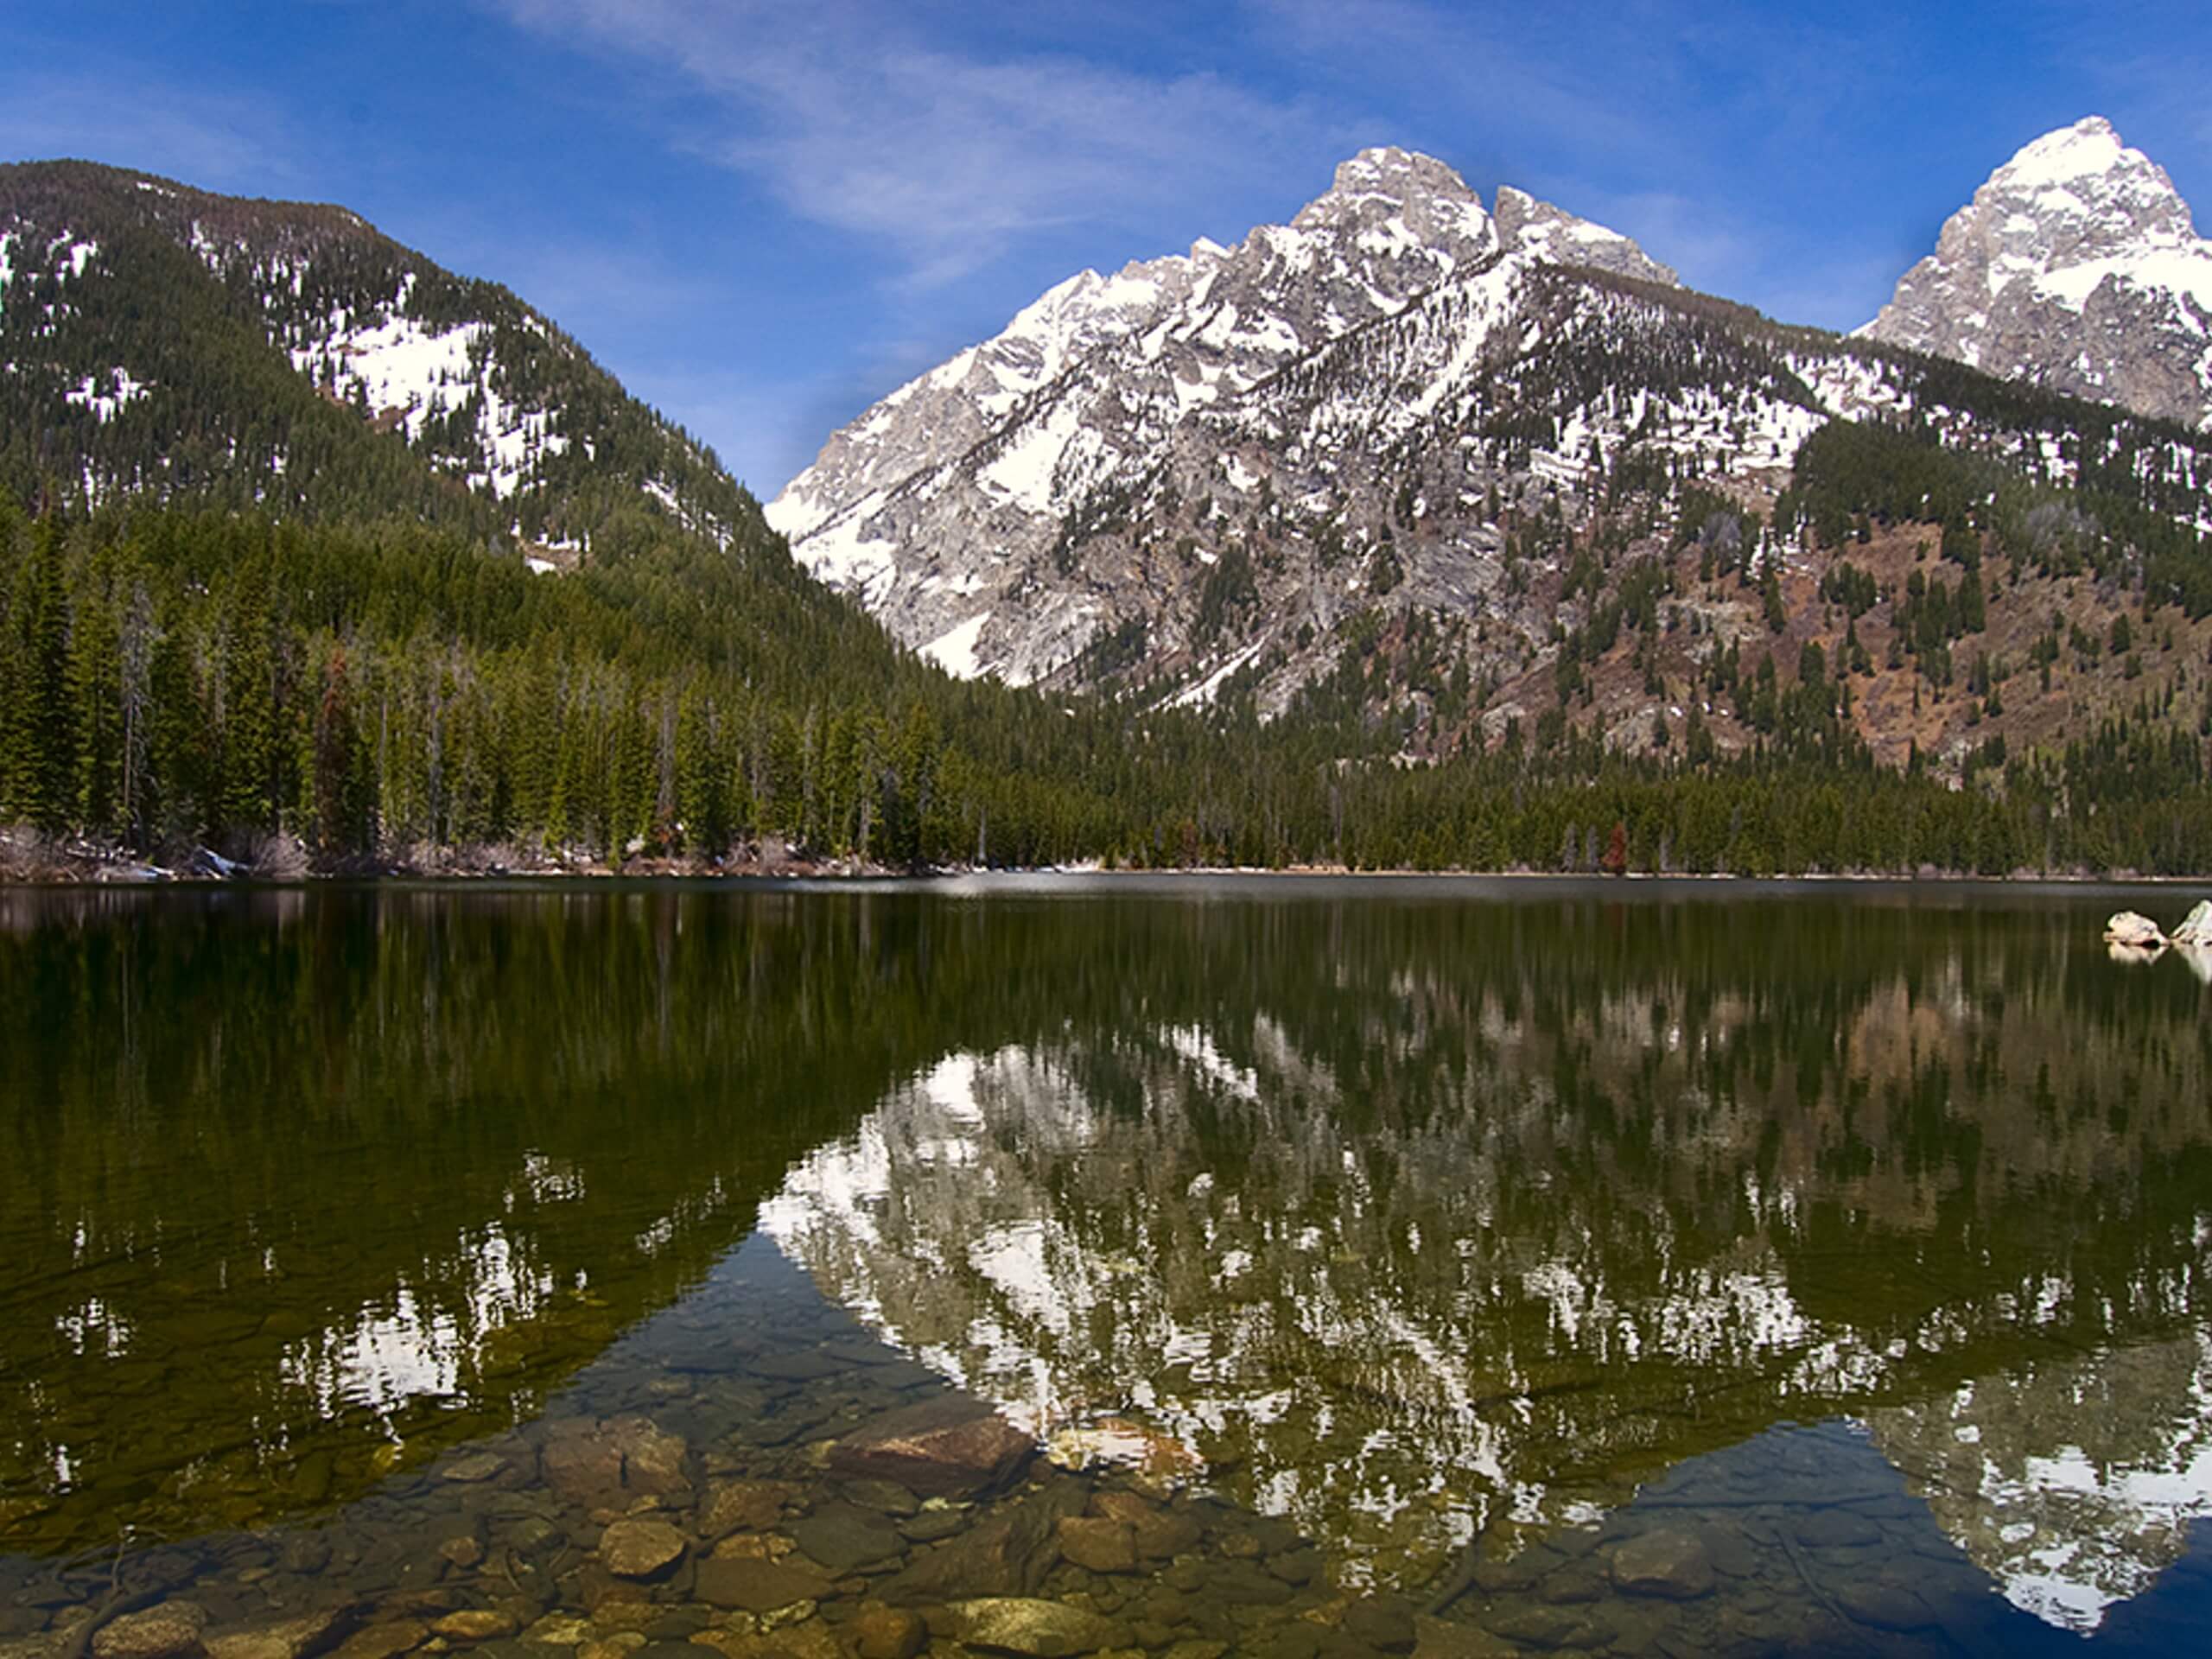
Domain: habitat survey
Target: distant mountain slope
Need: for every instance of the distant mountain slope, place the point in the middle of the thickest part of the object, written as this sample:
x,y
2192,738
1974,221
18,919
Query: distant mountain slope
x,y
939,505
157,338
1401,419
2076,266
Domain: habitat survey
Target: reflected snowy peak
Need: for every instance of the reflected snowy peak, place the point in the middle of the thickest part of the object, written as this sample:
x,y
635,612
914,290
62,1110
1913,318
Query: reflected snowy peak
x,y
1526,1269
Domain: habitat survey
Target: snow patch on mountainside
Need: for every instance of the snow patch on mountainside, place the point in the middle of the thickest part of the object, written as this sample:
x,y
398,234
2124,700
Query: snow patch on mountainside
x,y
954,650
400,365
411,377
106,395
1025,469
845,554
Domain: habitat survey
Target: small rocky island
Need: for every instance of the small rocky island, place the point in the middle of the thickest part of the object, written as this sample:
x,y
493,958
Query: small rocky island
x,y
2132,931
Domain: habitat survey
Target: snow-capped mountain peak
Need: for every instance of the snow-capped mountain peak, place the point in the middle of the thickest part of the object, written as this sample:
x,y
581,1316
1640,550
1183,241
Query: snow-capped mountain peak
x,y
1528,226
1389,199
2076,265
935,504
2132,187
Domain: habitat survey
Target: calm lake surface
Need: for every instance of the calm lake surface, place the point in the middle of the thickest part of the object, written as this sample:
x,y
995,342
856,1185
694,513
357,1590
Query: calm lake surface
x,y
1490,1267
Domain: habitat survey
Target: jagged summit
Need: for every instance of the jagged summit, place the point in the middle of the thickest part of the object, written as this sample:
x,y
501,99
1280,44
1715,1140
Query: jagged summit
x,y
1398,174
2076,265
2090,152
1529,225
935,506
1399,199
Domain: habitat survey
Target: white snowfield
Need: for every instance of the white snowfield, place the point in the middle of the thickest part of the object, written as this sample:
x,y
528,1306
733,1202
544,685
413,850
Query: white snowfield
x,y
402,371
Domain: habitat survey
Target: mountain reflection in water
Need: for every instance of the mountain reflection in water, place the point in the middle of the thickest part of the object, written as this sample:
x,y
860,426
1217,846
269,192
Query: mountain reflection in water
x,y
1416,1212
1407,1244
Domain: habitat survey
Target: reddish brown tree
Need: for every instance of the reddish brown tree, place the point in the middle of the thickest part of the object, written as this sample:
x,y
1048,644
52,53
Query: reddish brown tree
x,y
1615,862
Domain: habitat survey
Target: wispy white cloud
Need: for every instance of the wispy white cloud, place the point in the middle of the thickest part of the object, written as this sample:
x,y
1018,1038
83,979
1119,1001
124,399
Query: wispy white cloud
x,y
854,117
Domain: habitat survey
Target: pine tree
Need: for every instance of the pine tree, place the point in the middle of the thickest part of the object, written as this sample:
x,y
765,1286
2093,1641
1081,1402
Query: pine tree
x,y
95,702
47,775
338,826
247,801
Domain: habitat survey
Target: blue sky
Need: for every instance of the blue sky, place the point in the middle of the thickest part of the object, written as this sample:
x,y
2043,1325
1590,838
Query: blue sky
x,y
763,216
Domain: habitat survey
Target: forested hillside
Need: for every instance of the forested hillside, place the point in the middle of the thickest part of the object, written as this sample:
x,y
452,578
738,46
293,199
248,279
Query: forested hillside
x,y
396,696
313,555
216,351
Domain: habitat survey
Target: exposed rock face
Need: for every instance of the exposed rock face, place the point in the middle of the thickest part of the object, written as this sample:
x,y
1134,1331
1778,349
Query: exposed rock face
x,y
1210,476
2131,928
2196,927
1527,225
2076,266
947,508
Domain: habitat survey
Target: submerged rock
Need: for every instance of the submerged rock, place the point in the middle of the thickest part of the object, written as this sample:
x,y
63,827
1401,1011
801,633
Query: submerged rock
x,y
476,1467
171,1630
1026,1625
639,1550
1099,1543
475,1624
843,1536
887,1633
1885,1604
591,1464
754,1586
2133,928
384,1640
953,1446
294,1638
1006,1555
743,1506
1666,1562
1382,1624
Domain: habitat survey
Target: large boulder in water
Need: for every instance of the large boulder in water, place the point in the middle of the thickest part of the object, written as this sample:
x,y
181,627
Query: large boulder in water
x,y
952,1446
2197,926
2131,927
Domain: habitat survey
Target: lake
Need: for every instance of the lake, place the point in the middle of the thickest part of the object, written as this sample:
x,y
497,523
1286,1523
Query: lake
x,y
1348,1265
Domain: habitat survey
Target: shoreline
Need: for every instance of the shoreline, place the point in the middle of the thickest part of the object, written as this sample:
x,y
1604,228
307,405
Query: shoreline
x,y
130,878
28,861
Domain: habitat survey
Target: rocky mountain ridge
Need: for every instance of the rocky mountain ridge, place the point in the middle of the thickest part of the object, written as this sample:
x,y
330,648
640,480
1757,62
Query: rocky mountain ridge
x,y
1084,389
1219,475
2076,266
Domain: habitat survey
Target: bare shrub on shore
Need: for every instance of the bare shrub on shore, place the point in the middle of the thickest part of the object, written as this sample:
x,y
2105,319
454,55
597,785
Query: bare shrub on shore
x,y
27,853
278,858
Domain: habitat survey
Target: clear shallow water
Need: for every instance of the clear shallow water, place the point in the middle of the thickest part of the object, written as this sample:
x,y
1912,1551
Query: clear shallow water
x,y
1638,1268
